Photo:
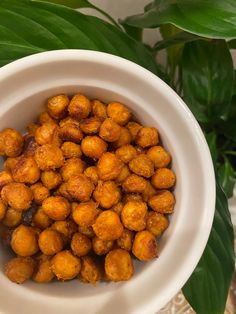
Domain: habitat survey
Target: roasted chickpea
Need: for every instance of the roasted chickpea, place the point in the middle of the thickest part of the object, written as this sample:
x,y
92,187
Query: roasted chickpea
x,y
108,226
51,179
24,241
80,188
132,197
87,230
156,223
71,168
134,215
17,195
12,217
80,244
44,117
93,146
85,214
107,194
159,156
30,146
56,207
99,109
133,127
124,139
101,247
125,241
118,112
110,131
3,209
163,178
162,202
117,208
126,153
10,163
50,241
66,227
40,192
19,269
92,174
43,272
79,107
5,178
148,192
145,246
70,150
142,166
62,190
57,106
65,265
124,174
90,270
11,143
49,157
26,170
147,137
90,125
109,166
31,128
44,133
41,220
134,184
70,132
118,265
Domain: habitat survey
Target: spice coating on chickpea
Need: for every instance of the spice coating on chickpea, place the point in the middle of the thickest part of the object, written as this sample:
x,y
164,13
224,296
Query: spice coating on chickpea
x,y
50,241
124,174
156,223
79,107
118,265
145,246
109,130
3,209
159,156
71,168
92,174
148,192
44,133
57,106
80,244
101,247
49,157
118,112
107,194
142,166
99,109
65,265
5,178
70,132
163,178
12,218
162,202
90,125
124,139
109,166
93,146
125,241
134,184
126,153
108,226
40,193
85,214
41,220
11,143
44,117
117,208
147,137
80,188
70,150
87,230
26,170
30,146
17,195
90,270
51,179
43,272
134,215
66,227
56,207
133,127
24,241
19,269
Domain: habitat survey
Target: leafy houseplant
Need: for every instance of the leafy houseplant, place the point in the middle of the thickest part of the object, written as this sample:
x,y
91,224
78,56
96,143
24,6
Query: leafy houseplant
x,y
197,36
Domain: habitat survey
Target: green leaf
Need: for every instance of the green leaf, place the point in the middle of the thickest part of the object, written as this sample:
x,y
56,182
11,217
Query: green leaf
x,y
207,18
208,79
207,288
211,141
228,127
232,44
135,32
227,178
39,26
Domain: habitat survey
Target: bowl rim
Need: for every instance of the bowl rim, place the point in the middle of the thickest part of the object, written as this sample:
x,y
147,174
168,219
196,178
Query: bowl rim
x,y
129,66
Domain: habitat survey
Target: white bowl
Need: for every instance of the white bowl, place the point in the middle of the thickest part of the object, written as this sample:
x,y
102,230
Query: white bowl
x,y
24,87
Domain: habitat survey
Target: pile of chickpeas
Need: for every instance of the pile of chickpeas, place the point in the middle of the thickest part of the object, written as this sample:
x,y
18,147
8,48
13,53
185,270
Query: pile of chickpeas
x,y
85,190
